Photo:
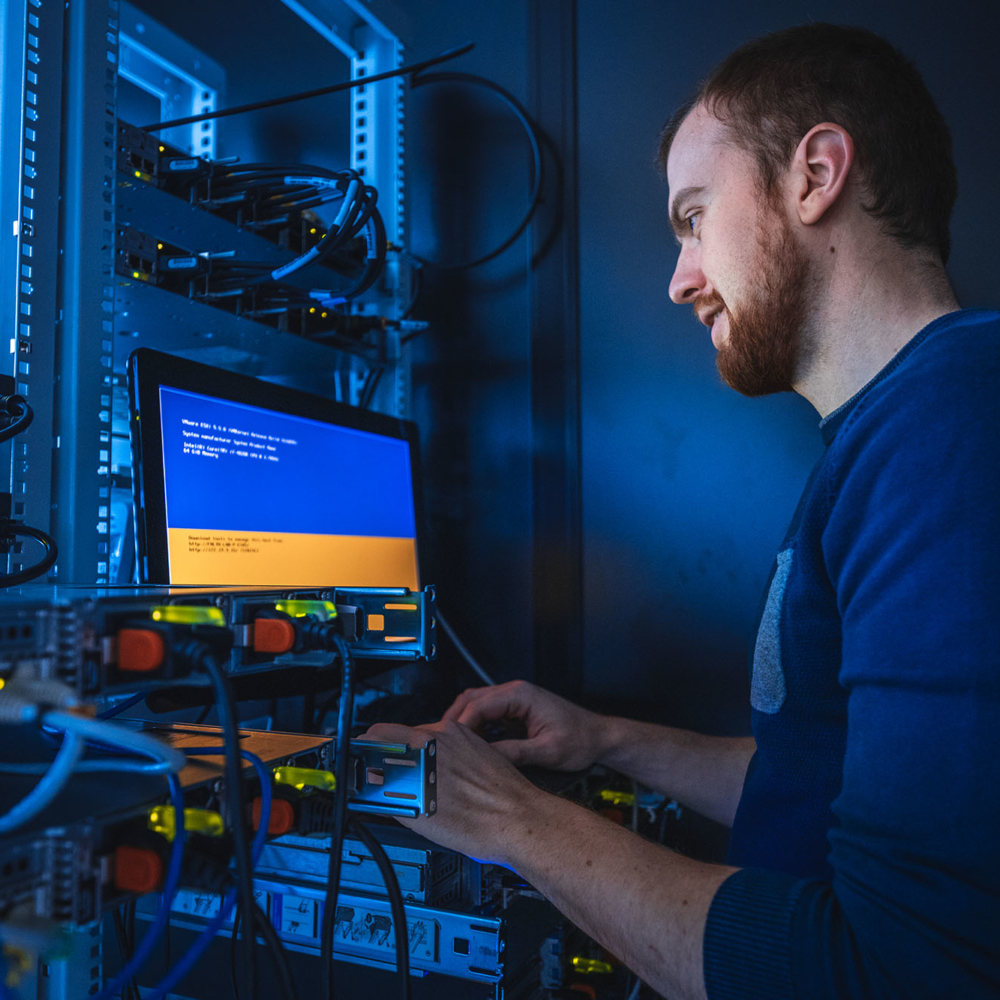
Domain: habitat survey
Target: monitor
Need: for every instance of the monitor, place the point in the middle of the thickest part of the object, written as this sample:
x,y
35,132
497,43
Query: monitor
x,y
238,481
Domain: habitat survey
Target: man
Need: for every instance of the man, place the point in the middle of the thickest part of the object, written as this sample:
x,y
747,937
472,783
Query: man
x,y
811,185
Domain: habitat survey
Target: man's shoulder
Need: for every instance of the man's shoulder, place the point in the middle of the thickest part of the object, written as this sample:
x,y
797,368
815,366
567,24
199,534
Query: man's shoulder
x,y
950,371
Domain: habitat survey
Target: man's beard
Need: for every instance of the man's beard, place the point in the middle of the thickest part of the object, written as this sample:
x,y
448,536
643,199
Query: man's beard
x,y
762,352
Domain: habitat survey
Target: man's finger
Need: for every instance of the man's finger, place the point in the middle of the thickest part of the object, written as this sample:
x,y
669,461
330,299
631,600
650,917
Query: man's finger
x,y
459,704
394,733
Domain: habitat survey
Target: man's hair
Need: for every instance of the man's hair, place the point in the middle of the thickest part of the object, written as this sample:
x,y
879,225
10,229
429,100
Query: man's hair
x,y
771,91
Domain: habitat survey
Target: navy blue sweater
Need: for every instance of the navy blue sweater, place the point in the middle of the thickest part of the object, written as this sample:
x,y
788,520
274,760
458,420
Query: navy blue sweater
x,y
868,832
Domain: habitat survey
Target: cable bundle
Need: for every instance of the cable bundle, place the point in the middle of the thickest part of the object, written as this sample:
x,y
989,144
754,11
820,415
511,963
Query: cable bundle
x,y
267,195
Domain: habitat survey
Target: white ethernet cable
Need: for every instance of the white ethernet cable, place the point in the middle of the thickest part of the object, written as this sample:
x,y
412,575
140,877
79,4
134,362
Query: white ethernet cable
x,y
78,730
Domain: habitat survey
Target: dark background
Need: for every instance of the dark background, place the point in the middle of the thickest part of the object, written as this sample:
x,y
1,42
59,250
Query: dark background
x,y
602,511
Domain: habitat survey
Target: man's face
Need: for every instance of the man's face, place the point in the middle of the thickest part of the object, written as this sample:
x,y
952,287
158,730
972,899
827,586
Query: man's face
x,y
739,265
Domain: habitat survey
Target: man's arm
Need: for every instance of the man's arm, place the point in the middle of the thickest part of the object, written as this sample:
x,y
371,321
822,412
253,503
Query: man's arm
x,y
645,904
702,772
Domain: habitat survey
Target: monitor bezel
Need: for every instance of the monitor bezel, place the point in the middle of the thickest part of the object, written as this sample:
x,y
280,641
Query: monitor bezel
x,y
148,370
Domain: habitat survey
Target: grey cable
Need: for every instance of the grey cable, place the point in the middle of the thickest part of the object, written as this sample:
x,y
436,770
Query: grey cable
x,y
466,655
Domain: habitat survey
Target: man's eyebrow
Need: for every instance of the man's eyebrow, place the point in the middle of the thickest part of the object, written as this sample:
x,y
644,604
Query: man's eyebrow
x,y
676,221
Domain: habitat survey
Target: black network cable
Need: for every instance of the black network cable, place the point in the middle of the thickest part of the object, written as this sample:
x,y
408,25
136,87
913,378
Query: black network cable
x,y
344,718
400,930
306,94
17,407
199,655
369,386
8,528
130,991
531,130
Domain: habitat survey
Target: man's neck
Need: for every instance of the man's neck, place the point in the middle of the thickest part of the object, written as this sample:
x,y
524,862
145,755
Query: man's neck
x,y
867,309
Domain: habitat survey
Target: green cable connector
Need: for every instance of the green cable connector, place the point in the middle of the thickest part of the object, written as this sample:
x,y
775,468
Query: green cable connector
x,y
188,614
323,610
162,820
305,777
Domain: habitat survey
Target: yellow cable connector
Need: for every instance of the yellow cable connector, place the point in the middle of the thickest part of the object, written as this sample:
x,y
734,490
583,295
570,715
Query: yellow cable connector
x,y
206,821
613,798
188,614
305,777
588,966
323,610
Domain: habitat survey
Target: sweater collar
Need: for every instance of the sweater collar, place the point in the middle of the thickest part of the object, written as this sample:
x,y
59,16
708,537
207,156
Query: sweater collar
x,y
832,422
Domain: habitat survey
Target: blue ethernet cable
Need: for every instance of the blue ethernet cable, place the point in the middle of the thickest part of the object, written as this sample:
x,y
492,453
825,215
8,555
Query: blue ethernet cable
x,y
191,956
152,936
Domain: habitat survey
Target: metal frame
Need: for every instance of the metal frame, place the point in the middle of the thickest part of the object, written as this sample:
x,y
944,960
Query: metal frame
x,y
377,151
81,488
30,118
184,80
554,288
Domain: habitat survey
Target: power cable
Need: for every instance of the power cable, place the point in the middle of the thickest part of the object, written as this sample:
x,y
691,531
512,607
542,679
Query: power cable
x,y
306,94
286,982
199,655
399,926
344,718
466,655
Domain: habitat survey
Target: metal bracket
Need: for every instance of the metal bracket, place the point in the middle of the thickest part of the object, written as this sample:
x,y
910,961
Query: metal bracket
x,y
398,623
393,779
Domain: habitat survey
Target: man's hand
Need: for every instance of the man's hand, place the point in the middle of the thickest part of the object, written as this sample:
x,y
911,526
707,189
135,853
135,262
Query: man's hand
x,y
482,799
560,735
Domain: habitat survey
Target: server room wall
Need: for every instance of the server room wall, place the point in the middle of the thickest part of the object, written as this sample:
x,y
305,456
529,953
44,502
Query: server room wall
x,y
686,487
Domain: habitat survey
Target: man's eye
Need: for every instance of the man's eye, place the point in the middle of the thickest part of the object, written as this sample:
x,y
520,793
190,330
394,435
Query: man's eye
x,y
691,218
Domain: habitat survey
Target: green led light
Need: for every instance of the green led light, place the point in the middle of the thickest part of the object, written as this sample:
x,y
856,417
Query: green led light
x,y
323,610
305,777
591,965
205,821
185,614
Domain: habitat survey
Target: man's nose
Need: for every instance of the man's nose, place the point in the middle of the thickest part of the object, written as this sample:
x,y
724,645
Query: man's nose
x,y
688,281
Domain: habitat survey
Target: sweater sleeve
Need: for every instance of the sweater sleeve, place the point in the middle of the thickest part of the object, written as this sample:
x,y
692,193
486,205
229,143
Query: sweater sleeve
x,y
912,548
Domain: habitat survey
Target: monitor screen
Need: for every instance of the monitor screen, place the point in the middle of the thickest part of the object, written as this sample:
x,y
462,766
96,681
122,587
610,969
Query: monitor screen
x,y
256,484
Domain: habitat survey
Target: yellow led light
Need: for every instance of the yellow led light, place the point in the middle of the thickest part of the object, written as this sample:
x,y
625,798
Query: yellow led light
x,y
323,315
138,173
182,614
162,149
323,610
313,230
588,966
159,246
3,683
135,274
313,309
305,777
162,820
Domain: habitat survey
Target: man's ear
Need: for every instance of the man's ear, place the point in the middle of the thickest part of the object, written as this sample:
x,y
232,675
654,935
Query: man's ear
x,y
819,170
